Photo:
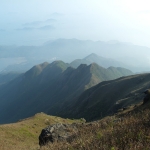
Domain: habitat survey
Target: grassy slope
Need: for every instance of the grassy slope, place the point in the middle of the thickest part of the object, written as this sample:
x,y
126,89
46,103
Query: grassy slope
x,y
23,135
102,98
47,87
4,78
26,88
129,130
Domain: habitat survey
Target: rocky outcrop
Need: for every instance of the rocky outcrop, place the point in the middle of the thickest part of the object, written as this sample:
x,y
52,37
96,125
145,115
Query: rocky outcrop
x,y
58,132
147,97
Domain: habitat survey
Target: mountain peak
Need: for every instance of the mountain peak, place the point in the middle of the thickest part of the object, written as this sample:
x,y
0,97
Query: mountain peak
x,y
60,64
92,55
36,70
82,66
94,58
57,62
93,65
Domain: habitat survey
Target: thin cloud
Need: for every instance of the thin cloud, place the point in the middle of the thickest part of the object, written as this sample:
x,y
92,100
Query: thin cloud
x,y
25,29
57,14
35,23
47,27
38,23
2,30
51,20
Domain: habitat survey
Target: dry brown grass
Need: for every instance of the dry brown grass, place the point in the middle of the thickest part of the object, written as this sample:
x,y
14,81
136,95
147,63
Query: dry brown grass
x,y
126,131
131,132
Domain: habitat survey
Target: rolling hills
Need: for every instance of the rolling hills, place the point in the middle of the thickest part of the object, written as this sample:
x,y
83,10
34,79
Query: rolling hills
x,y
107,97
48,87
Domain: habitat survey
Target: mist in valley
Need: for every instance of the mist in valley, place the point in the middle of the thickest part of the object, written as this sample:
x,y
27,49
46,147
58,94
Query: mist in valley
x,y
35,32
22,58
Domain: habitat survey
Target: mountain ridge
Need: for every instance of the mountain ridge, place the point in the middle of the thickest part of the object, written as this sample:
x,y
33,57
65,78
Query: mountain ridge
x,y
107,97
47,87
133,56
93,58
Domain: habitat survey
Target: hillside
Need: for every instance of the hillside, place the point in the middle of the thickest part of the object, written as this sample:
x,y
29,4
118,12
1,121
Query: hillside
x,y
25,89
7,77
48,87
24,134
128,129
108,97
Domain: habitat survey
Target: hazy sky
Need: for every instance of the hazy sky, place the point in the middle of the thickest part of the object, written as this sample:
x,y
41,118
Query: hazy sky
x,y
32,22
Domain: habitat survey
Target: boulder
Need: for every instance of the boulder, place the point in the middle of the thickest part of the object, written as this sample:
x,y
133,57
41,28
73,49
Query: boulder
x,y
147,97
58,132
147,91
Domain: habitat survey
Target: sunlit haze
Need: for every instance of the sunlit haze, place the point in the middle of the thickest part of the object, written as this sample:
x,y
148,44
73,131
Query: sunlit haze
x,y
37,21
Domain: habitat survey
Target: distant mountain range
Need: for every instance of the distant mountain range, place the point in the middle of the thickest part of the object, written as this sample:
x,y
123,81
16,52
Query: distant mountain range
x,y
10,71
136,58
48,87
93,58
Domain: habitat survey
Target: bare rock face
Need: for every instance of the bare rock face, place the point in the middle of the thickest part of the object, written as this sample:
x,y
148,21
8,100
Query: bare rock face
x,y
58,132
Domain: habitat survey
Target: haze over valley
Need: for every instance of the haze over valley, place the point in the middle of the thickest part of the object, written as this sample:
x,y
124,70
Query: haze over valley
x,y
117,54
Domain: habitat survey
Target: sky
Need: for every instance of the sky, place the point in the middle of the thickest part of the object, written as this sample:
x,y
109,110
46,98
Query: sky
x,y
33,22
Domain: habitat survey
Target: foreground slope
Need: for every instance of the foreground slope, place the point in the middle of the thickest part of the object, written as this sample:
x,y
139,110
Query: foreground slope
x,y
24,134
48,87
108,97
129,130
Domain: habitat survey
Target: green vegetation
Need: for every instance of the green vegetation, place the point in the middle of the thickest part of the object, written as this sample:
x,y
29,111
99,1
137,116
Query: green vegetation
x,y
50,88
108,97
23,135
125,131
7,77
